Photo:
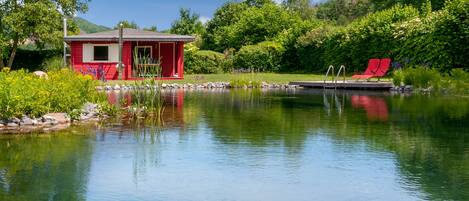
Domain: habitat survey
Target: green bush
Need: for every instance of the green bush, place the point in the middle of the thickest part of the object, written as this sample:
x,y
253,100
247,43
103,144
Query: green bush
x,y
459,81
22,93
397,78
263,57
421,77
33,60
52,64
460,75
244,83
205,61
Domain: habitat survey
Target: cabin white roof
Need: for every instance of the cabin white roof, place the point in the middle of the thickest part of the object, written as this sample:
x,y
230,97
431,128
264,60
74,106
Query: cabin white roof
x,y
130,35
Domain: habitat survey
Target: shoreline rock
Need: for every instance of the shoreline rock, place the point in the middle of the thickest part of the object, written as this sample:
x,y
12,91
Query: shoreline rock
x,y
90,112
190,86
409,89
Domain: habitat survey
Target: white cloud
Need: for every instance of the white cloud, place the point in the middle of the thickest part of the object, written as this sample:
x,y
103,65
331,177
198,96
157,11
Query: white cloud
x,y
204,19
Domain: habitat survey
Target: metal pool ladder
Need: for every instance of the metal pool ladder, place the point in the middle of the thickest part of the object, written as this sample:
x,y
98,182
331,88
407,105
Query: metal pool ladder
x,y
329,70
334,78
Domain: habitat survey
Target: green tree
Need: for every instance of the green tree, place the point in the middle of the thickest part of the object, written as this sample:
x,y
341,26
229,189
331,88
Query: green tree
x,y
302,7
188,23
126,24
152,28
38,21
224,16
384,4
258,24
258,3
344,11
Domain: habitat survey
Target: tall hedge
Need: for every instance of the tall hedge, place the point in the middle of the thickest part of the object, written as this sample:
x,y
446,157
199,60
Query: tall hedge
x,y
204,61
353,45
33,59
311,48
437,39
265,56
453,31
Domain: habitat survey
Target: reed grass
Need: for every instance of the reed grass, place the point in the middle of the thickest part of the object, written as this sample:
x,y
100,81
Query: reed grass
x,y
147,102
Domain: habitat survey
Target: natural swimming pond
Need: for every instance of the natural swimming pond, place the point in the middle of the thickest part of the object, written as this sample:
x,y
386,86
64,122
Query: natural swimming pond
x,y
253,145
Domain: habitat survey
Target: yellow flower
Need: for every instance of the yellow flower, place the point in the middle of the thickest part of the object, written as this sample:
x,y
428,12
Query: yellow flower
x,y
6,69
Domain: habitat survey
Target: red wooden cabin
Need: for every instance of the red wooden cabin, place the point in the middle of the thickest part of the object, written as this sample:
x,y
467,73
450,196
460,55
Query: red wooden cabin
x,y
98,53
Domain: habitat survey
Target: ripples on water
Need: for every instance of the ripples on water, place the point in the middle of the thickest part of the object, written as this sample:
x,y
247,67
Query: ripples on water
x,y
253,145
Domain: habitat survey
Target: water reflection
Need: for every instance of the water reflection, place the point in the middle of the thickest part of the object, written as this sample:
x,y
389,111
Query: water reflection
x,y
257,145
172,114
244,122
50,167
376,108
334,102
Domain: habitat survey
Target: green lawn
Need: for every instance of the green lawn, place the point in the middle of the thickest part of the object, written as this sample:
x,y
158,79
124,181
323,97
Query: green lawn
x,y
267,77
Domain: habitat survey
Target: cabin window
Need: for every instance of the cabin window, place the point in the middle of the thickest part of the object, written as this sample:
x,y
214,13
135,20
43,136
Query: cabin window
x,y
144,52
101,53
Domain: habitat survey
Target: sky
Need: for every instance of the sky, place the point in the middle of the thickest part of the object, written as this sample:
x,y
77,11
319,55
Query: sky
x,y
147,13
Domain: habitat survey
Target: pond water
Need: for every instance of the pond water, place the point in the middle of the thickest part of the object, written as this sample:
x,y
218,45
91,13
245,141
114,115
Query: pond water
x,y
253,145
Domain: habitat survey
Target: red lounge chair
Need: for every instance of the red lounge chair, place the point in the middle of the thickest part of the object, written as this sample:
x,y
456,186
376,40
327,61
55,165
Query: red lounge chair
x,y
380,71
373,65
383,67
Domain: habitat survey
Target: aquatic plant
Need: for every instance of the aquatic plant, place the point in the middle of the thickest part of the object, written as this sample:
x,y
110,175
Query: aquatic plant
x,y
457,81
397,78
147,100
241,83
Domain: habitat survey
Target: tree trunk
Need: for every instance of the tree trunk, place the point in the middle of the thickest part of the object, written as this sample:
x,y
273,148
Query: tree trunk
x,y
13,53
2,65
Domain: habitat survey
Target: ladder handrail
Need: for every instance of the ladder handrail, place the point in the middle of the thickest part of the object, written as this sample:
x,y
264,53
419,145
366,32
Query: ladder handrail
x,y
331,67
342,67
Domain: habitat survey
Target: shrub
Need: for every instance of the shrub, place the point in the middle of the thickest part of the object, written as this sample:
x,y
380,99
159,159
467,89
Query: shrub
x,y
34,59
265,56
397,77
459,81
244,83
53,63
460,74
205,61
422,77
22,93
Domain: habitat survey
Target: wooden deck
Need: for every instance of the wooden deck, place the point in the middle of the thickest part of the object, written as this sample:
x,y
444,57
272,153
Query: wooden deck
x,y
345,85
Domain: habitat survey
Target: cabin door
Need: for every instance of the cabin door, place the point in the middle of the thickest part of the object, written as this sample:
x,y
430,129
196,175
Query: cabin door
x,y
168,63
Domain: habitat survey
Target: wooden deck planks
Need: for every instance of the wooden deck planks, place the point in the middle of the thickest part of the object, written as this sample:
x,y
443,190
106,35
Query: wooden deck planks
x,y
345,85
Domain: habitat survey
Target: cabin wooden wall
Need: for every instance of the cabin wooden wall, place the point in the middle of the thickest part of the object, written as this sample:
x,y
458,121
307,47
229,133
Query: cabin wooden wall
x,y
172,58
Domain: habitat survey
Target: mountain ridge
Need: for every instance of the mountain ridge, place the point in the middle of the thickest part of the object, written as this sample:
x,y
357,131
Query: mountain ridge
x,y
89,27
